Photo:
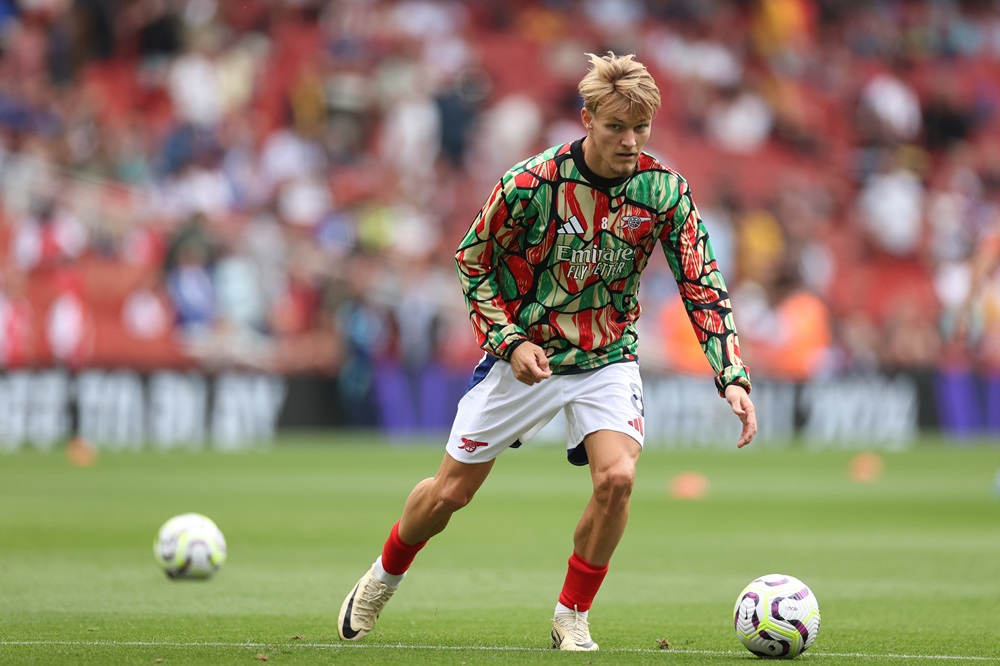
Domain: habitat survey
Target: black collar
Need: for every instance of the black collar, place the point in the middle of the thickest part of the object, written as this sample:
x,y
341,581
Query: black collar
x,y
576,150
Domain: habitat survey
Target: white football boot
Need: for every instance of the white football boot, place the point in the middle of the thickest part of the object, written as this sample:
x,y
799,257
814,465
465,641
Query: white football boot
x,y
362,607
571,631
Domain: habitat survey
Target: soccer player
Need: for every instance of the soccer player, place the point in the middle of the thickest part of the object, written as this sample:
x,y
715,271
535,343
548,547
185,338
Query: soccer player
x,y
550,269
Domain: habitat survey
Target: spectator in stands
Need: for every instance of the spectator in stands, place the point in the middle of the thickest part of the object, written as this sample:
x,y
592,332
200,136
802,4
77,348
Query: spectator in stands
x,y
891,204
892,105
795,345
240,308
69,322
365,333
189,281
194,83
739,119
146,312
50,237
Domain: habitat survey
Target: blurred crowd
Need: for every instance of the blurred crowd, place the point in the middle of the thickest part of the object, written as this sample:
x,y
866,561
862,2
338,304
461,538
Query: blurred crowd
x,y
281,184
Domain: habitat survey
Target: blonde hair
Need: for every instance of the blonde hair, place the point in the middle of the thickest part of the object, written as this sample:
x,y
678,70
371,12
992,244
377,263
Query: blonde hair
x,y
619,86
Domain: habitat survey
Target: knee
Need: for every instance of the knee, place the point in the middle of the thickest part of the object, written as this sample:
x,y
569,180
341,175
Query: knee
x,y
614,486
451,497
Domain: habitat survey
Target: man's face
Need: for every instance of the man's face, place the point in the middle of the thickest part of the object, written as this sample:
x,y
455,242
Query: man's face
x,y
613,144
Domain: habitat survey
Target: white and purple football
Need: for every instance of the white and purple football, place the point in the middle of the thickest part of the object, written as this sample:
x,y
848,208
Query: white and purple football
x,y
190,546
776,616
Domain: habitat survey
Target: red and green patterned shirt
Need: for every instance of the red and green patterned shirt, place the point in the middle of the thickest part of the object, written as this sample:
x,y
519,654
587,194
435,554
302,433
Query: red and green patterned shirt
x,y
556,254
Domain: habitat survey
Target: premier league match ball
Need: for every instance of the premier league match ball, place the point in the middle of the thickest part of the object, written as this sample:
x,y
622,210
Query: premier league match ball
x,y
190,546
776,616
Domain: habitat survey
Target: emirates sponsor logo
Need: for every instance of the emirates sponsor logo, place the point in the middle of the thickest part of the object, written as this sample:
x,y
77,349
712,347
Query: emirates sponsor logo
x,y
611,263
471,445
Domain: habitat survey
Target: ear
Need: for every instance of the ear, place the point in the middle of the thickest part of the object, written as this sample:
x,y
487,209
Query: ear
x,y
587,117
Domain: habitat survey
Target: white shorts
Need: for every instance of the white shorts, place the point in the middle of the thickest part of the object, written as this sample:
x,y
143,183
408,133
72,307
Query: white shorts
x,y
498,411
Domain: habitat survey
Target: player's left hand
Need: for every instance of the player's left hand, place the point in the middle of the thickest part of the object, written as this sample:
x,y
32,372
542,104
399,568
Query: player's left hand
x,y
743,407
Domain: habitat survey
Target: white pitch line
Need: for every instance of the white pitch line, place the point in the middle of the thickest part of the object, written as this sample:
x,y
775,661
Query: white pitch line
x,y
486,648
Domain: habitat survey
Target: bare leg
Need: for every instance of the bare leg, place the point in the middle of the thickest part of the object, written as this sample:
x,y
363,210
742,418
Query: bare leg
x,y
613,457
432,502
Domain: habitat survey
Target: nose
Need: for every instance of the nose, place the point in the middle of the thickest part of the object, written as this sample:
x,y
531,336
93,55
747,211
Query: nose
x,y
628,139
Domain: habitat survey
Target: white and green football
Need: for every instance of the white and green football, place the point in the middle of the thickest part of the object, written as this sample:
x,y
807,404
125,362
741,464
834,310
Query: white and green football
x,y
190,546
776,616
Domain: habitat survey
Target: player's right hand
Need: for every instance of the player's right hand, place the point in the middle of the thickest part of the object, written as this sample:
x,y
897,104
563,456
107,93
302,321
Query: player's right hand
x,y
529,363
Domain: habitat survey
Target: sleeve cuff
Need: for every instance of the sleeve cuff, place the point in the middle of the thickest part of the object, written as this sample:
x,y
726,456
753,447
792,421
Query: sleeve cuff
x,y
510,347
740,376
505,341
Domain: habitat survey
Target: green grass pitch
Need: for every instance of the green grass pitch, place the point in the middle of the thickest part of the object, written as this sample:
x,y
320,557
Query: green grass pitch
x,y
906,568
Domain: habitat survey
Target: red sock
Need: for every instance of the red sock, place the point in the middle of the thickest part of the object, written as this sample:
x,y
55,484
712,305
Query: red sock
x,y
397,555
583,579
